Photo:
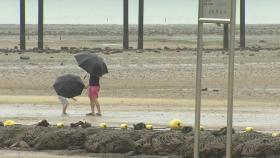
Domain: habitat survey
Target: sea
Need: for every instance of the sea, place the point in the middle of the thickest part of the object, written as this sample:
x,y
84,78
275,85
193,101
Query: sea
x,y
111,11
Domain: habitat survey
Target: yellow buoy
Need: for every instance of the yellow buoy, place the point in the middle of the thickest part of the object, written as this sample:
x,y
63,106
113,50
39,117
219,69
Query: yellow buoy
x,y
175,124
149,126
9,123
102,125
60,125
249,129
275,134
124,126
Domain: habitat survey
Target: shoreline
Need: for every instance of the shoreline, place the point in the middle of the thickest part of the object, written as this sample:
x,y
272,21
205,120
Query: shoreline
x,y
51,100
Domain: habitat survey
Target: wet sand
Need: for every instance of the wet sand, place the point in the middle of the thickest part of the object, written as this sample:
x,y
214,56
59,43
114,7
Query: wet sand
x,y
260,115
152,86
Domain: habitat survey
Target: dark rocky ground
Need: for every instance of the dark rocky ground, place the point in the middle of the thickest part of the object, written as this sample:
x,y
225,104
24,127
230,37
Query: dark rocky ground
x,y
177,143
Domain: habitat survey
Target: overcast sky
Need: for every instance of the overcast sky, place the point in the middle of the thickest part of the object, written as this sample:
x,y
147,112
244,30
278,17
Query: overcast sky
x,y
98,11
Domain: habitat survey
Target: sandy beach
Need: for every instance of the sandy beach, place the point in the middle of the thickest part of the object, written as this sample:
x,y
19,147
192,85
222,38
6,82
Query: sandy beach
x,y
153,86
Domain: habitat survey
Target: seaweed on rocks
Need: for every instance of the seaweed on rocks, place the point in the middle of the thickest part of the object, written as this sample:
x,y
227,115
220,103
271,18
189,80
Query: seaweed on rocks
x,y
162,143
112,141
139,126
260,148
11,134
61,139
43,123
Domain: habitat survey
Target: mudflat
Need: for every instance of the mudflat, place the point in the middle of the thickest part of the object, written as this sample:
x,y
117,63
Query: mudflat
x,y
153,85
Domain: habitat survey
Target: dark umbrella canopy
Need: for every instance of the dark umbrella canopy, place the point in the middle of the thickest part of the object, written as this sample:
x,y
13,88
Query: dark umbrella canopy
x,y
91,63
68,86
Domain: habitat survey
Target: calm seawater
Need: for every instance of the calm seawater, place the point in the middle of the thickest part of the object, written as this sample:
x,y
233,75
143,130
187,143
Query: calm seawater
x,y
110,11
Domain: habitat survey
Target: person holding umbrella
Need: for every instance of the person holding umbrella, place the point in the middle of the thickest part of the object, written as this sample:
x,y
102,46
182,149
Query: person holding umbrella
x,y
68,86
96,67
93,92
64,102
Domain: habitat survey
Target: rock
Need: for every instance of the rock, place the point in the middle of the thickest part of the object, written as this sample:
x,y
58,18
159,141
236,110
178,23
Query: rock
x,y
43,123
251,54
187,129
166,48
262,41
24,57
64,48
139,51
204,89
157,51
6,54
222,131
139,126
80,124
215,90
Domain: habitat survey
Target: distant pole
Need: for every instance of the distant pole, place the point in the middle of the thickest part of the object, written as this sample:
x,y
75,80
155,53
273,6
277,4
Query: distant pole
x,y
226,37
22,25
125,25
140,24
242,24
40,24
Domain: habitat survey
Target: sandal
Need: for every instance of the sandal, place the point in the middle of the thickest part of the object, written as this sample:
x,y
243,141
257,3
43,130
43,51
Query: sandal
x,y
98,114
89,114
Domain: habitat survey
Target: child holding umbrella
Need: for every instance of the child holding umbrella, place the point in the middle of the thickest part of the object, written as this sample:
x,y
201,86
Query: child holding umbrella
x,y
96,67
93,92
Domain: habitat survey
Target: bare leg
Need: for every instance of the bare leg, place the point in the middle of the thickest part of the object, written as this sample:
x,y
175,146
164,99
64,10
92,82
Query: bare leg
x,y
64,108
92,104
97,105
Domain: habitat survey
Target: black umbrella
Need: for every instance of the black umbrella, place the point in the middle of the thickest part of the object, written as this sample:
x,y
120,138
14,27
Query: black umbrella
x,y
69,86
91,63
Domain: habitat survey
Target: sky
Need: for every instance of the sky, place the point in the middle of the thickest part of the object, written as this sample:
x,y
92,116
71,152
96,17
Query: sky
x,y
111,11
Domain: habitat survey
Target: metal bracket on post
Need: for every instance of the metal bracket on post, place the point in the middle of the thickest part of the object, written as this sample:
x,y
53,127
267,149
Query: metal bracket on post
x,y
215,11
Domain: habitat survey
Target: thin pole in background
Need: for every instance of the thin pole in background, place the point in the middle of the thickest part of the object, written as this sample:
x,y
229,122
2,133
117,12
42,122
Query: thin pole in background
x,y
242,24
231,80
140,24
198,84
40,24
125,25
225,41
22,25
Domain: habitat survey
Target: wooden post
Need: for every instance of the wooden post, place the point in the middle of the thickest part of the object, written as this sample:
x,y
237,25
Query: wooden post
x,y
125,25
22,25
226,36
242,24
40,24
140,24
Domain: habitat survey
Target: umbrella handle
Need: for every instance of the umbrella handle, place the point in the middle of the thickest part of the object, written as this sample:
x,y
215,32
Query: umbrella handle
x,y
85,76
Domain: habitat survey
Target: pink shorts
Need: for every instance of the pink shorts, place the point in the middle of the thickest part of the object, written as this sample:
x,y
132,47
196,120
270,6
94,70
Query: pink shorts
x,y
93,91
